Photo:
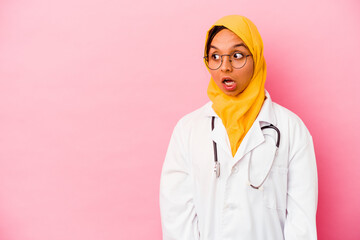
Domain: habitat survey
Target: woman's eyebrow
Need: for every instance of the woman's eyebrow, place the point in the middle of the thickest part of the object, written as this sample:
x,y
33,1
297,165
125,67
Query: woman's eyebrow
x,y
236,45
239,45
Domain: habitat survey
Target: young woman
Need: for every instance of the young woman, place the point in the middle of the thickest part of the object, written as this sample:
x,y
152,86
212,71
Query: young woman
x,y
242,166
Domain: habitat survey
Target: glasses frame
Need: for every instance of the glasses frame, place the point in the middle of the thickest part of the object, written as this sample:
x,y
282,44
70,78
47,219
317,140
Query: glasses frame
x,y
206,58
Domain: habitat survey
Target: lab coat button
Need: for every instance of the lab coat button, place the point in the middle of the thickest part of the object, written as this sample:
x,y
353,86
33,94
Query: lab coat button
x,y
235,170
230,206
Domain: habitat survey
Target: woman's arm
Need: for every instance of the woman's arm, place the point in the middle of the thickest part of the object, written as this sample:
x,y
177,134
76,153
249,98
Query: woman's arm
x,y
302,194
178,216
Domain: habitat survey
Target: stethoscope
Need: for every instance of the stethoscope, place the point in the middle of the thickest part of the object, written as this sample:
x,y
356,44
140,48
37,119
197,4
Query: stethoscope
x,y
217,163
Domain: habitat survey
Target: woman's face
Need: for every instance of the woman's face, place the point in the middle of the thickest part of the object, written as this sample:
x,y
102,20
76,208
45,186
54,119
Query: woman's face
x,y
231,81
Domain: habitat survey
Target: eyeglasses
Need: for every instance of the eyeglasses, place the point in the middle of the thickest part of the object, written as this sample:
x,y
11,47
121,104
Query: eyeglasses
x,y
237,60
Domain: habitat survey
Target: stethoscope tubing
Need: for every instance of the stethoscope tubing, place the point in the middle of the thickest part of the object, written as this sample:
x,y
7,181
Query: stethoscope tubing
x,y
217,163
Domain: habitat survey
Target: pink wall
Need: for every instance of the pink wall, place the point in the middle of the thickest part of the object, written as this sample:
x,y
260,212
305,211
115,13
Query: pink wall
x,y
91,90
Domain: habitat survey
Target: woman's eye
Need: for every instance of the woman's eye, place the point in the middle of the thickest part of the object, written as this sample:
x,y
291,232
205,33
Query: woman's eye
x,y
215,56
238,55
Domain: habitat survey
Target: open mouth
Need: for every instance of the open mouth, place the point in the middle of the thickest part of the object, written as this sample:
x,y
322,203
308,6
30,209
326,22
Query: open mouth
x,y
228,82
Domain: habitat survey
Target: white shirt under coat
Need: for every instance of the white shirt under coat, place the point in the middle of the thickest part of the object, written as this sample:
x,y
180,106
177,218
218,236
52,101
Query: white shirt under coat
x,y
195,204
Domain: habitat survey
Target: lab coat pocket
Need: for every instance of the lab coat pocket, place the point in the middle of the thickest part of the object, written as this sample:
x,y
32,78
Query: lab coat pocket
x,y
275,188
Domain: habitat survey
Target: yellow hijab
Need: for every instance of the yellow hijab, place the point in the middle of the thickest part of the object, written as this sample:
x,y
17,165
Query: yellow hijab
x,y
238,113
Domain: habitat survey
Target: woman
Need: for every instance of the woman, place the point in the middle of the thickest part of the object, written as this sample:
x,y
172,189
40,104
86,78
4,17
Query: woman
x,y
240,167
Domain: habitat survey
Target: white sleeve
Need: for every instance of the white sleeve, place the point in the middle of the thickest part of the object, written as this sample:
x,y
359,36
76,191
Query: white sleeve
x,y
302,194
178,216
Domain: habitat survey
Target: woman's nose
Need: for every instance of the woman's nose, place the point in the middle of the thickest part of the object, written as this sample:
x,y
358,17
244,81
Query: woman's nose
x,y
226,64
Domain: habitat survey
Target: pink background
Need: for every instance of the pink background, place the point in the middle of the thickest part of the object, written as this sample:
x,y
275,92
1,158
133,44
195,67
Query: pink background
x,y
91,90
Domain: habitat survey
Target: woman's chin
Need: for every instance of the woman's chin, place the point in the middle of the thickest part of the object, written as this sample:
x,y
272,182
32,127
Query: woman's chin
x,y
232,93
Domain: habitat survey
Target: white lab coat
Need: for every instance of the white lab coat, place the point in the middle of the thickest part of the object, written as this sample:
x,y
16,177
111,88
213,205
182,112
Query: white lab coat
x,y
195,204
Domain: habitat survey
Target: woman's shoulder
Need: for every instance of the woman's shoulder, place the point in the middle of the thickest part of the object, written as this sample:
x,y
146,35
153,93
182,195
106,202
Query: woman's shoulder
x,y
281,114
197,116
291,125
284,114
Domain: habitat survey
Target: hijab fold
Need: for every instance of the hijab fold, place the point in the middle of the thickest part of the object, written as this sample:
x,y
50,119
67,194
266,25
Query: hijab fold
x,y
238,113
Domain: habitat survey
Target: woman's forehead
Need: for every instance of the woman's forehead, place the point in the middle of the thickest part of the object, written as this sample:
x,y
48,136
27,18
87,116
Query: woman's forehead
x,y
226,39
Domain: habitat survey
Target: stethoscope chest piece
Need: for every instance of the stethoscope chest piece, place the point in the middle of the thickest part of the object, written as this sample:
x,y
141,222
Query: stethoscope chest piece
x,y
217,169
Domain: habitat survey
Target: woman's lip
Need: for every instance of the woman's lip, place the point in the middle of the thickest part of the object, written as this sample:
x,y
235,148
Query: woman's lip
x,y
226,78
230,87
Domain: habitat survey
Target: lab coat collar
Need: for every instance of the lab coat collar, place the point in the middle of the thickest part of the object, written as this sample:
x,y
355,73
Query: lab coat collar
x,y
267,114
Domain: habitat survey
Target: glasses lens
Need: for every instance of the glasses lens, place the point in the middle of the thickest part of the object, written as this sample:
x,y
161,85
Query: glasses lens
x,y
238,62
213,64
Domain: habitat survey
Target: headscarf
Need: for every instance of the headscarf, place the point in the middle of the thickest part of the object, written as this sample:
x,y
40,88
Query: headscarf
x,y
238,113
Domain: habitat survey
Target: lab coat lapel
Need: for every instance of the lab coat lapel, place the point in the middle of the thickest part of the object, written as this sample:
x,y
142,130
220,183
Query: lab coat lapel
x,y
252,139
255,136
220,136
